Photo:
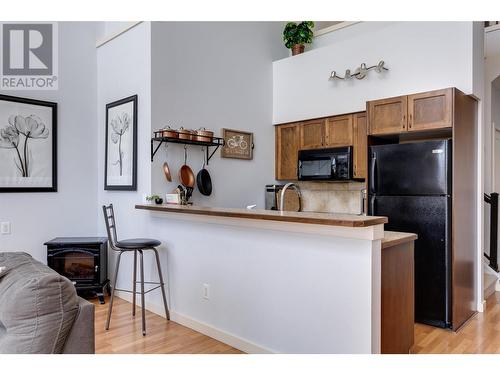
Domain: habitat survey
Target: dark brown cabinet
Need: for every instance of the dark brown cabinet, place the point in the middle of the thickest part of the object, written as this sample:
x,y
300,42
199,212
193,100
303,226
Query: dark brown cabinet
x,y
360,145
335,131
312,134
338,131
430,110
425,111
387,116
287,148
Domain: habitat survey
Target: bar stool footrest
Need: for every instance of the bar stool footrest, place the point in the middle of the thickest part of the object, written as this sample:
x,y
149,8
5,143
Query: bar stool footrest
x,y
138,292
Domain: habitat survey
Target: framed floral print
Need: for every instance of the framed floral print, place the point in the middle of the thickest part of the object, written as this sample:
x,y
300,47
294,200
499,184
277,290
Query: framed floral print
x,y
120,168
28,145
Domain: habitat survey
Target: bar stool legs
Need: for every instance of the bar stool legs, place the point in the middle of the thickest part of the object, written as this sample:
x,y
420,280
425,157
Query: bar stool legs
x,y
142,282
134,288
142,295
167,313
110,308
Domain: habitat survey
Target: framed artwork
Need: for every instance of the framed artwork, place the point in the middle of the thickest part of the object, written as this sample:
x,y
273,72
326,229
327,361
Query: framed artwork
x,y
237,144
28,145
120,168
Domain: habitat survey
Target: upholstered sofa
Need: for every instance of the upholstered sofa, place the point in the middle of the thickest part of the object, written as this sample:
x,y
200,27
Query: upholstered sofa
x,y
40,311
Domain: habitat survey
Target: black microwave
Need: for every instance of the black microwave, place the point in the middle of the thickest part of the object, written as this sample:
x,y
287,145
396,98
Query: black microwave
x,y
332,164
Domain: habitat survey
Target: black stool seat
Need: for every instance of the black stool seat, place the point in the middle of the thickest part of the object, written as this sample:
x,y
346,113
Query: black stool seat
x,y
137,243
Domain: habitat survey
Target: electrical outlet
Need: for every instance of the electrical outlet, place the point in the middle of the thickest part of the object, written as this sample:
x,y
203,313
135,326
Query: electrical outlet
x,y
206,291
5,227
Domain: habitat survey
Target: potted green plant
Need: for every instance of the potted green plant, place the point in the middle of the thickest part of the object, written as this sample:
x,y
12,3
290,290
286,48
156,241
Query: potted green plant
x,y
296,35
155,198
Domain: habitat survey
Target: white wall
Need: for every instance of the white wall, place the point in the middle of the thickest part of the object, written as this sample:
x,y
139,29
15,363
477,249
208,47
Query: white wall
x,y
180,80
421,56
228,84
271,290
495,122
38,217
482,158
124,69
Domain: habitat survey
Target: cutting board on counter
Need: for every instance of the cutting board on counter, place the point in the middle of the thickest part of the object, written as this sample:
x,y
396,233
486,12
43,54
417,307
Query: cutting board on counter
x,y
292,200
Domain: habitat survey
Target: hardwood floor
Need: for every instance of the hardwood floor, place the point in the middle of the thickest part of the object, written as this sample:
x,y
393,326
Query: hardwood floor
x,y
125,335
479,335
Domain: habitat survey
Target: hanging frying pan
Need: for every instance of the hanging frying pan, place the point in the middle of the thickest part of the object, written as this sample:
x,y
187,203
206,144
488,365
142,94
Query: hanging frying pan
x,y
166,168
186,174
203,179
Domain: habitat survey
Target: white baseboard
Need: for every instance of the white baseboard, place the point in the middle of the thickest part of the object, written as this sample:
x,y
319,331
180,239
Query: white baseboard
x,y
223,336
481,306
206,329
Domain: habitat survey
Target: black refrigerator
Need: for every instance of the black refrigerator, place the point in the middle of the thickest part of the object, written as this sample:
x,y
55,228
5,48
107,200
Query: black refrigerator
x,y
410,183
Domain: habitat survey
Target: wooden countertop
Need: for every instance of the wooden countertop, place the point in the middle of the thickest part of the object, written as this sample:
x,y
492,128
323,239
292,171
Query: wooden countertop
x,y
343,220
396,238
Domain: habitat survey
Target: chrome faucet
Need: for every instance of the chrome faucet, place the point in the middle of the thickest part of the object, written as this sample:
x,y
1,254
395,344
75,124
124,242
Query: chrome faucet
x,y
282,195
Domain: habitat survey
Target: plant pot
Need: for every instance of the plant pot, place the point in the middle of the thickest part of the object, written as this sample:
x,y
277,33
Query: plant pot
x,y
158,201
297,49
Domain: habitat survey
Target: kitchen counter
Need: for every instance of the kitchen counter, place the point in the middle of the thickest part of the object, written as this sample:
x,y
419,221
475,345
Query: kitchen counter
x,y
342,220
398,300
396,238
259,263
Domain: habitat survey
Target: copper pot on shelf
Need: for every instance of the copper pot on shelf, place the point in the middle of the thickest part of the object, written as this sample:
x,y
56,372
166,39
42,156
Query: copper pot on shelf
x,y
169,132
185,134
203,135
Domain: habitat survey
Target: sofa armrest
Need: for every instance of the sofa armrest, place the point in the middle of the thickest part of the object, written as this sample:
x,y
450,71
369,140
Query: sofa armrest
x,y
81,339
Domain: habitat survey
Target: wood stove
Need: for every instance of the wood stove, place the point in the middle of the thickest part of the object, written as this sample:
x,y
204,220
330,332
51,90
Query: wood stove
x,y
83,260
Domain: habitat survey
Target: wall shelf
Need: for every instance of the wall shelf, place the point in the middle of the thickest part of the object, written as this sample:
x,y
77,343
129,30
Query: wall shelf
x,y
215,144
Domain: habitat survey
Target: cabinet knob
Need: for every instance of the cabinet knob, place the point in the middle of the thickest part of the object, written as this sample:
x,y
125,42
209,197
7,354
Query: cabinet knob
x,y
409,122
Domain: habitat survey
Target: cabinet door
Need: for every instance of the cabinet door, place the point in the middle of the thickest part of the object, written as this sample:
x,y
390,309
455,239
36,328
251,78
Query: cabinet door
x,y
312,134
287,148
387,116
339,131
360,145
430,110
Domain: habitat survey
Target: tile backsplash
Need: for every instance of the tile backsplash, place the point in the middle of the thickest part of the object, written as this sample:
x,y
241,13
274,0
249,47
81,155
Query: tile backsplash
x,y
332,197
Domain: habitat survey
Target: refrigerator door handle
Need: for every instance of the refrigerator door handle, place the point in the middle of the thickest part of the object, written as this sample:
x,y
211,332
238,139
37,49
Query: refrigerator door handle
x,y
373,170
372,205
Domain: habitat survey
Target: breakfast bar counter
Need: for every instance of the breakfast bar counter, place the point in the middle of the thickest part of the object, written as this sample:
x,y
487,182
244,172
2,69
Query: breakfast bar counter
x,y
343,220
280,282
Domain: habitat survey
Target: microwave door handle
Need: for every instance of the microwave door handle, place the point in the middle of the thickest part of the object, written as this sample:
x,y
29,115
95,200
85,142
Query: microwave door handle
x,y
373,174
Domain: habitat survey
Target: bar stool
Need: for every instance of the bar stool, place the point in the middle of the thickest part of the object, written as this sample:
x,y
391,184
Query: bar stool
x,y
137,245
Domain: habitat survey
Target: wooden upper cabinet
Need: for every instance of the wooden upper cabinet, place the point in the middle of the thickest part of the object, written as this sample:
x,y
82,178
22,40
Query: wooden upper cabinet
x,y
312,134
430,110
360,157
287,148
339,131
387,116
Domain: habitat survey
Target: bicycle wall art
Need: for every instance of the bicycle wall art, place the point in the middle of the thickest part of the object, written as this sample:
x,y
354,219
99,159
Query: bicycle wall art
x,y
237,144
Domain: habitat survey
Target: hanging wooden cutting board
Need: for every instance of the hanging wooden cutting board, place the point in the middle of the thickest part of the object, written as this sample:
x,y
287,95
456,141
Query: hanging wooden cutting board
x,y
292,200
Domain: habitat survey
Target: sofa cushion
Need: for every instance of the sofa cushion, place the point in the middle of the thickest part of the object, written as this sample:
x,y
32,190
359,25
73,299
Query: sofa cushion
x,y
37,306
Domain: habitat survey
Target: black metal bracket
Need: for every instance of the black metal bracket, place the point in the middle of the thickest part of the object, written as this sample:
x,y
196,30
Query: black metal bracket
x,y
215,143
492,200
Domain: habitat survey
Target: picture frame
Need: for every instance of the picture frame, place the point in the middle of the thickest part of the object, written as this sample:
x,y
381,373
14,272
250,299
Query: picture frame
x,y
238,144
28,145
120,163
